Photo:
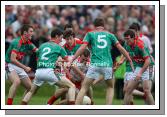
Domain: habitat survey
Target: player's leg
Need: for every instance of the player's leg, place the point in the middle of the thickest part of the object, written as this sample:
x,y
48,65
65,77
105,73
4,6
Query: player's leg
x,y
15,80
84,88
110,91
151,76
91,75
58,93
28,96
110,81
90,94
26,82
37,82
64,82
147,92
125,88
132,84
128,77
146,86
138,93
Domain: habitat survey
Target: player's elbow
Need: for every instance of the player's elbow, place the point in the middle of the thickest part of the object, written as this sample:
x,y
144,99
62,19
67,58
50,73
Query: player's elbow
x,y
12,59
148,61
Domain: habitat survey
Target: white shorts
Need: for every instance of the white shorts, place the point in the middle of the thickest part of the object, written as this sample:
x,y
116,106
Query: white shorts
x,y
145,75
20,71
95,72
128,76
45,75
132,75
151,72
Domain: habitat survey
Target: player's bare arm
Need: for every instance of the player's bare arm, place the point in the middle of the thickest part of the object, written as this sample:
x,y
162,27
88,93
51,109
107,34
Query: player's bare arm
x,y
122,59
125,53
79,51
17,63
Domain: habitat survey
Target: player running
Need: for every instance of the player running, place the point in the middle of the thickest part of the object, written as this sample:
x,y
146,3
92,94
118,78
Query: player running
x,y
16,70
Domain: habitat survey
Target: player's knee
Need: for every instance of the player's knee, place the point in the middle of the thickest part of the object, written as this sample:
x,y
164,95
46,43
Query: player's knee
x,y
17,83
147,91
65,89
127,90
124,90
110,86
28,87
72,86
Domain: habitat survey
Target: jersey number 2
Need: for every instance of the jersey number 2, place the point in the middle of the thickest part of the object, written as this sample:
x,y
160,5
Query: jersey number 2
x,y
46,51
101,39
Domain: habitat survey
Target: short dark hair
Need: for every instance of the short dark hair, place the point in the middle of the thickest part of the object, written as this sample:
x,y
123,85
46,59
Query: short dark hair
x,y
25,27
56,32
135,26
68,33
130,33
86,53
68,26
99,22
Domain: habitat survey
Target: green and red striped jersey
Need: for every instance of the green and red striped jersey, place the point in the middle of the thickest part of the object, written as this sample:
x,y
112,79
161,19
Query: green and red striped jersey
x,y
20,47
138,53
71,50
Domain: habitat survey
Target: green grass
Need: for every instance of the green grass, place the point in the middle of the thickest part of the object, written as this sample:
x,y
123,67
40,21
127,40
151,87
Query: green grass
x,y
39,100
44,93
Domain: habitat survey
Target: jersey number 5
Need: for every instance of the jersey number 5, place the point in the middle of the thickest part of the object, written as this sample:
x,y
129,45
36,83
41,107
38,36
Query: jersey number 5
x,y
46,51
101,38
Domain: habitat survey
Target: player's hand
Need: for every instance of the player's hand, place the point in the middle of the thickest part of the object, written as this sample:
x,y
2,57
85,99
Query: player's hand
x,y
6,66
114,69
27,69
69,63
138,77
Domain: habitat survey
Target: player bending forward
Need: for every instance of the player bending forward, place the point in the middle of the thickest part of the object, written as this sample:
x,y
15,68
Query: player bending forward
x,y
47,57
141,59
101,63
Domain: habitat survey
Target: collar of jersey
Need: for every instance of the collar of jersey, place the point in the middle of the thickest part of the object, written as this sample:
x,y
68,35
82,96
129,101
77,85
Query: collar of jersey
x,y
53,41
134,44
139,36
22,41
77,41
71,47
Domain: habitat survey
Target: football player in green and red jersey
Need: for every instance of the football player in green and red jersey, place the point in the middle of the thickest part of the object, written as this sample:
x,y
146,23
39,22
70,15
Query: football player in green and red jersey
x,y
141,59
15,53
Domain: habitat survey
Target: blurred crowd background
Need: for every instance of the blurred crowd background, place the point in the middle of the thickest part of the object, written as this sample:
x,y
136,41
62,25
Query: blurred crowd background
x,y
44,18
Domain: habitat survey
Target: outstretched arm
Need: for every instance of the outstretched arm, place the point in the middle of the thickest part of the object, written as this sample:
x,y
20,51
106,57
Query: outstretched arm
x,y
79,51
120,62
125,53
